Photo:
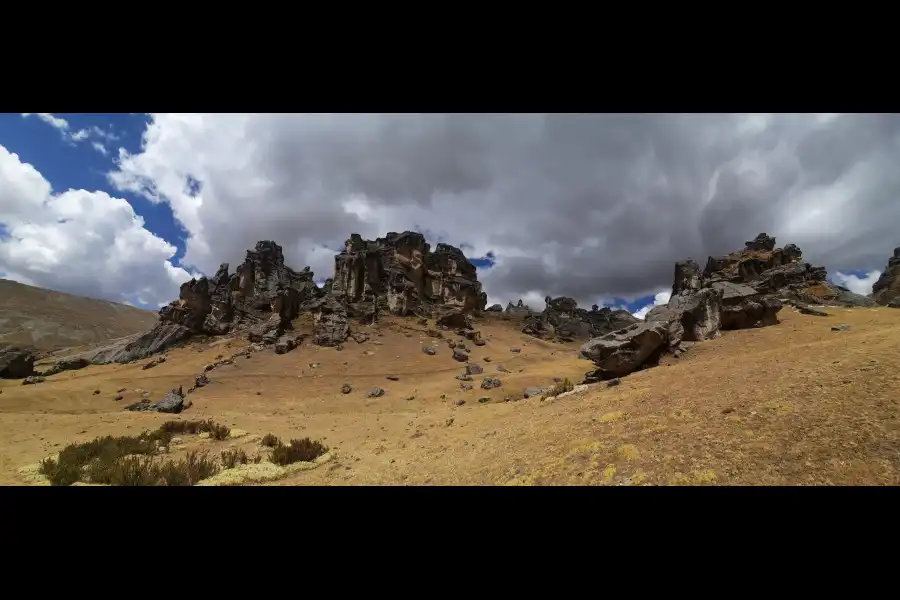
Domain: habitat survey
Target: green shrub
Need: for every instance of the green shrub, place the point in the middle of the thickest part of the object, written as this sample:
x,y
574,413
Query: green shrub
x,y
305,450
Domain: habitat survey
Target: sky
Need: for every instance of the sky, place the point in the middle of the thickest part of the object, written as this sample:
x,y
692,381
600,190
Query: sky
x,y
127,207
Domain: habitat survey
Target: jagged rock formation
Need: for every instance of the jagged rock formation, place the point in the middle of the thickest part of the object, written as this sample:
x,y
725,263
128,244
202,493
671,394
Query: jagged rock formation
x,y
494,308
400,275
886,290
263,295
562,320
520,307
740,290
16,362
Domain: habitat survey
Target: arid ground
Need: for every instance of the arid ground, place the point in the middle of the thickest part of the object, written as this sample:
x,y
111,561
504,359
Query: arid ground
x,y
796,403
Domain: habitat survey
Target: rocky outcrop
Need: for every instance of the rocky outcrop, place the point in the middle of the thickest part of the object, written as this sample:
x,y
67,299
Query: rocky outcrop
x,y
519,307
400,275
886,291
690,316
261,296
16,362
563,321
621,352
331,327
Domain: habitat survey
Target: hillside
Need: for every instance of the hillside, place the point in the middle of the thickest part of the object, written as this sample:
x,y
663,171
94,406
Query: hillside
x,y
48,320
794,403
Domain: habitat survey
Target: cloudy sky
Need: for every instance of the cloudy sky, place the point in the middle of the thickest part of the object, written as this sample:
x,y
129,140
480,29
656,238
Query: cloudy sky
x,y
127,207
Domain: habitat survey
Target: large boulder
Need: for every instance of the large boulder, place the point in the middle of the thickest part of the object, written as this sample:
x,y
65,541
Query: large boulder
x,y
690,316
164,336
16,362
399,274
331,326
743,307
621,352
886,291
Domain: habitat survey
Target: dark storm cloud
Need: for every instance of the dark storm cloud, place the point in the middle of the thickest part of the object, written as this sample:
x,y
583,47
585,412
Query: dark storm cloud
x,y
582,205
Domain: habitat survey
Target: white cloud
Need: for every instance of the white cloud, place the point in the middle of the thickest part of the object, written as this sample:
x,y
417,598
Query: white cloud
x,y
660,299
857,285
75,137
87,243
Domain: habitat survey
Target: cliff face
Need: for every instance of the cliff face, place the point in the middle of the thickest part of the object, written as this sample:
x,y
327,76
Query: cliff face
x,y
886,290
400,274
262,286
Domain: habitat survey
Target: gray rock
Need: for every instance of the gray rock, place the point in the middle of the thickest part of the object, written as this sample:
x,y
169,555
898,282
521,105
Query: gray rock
x,y
535,391
465,387
429,350
808,310
375,392
164,336
515,350
627,350
285,344
460,355
118,397
201,380
490,383
33,379
613,382
172,402
840,327
474,369
346,389
360,337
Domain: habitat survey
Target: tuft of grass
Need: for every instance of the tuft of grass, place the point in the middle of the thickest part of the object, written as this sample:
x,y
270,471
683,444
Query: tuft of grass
x,y
270,441
129,460
560,388
305,450
232,458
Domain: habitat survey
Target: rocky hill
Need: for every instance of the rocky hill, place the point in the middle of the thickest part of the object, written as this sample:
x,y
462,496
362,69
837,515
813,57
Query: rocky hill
x,y
742,290
397,275
48,321
886,291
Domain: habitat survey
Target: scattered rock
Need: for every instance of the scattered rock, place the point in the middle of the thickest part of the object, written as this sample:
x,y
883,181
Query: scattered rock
x,y
479,342
360,337
515,350
375,392
155,362
285,344
393,377
840,327
464,377
429,350
96,392
490,383
423,322
460,402
613,382
435,334
808,310
486,359
201,380
465,387
474,369
120,390
118,397
451,344
502,369
484,400
494,308
535,391
460,355
33,379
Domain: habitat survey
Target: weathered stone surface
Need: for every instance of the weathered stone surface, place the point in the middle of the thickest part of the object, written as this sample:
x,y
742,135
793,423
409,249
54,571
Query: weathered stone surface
x,y
474,369
519,307
429,350
399,274
285,344
33,379
67,364
495,308
460,355
331,326
563,321
164,336
690,316
489,383
455,319
16,362
886,291
624,351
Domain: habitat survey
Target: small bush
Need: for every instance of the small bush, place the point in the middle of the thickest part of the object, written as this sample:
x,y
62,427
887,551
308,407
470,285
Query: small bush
x,y
305,450
215,430
232,458
560,388
270,441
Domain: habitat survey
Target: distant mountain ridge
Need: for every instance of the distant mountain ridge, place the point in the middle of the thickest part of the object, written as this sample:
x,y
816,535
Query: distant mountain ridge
x,y
48,320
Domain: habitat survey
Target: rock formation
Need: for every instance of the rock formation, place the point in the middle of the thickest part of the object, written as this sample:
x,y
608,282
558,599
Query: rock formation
x,y
886,290
521,307
740,290
263,295
562,320
400,275
16,362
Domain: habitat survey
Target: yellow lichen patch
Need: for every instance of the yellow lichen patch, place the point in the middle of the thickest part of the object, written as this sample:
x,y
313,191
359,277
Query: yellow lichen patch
x,y
608,473
237,433
679,478
654,429
260,472
31,474
611,416
639,477
704,476
629,452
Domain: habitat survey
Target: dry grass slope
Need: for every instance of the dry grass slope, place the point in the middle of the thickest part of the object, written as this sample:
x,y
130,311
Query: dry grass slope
x,y
796,403
49,320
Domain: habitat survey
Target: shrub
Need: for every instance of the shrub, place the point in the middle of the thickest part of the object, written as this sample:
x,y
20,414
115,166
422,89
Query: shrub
x,y
305,450
559,388
270,441
232,458
215,430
